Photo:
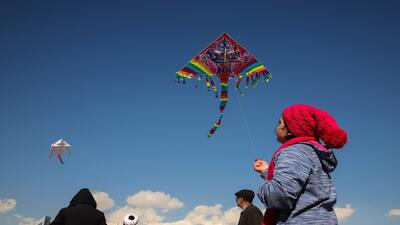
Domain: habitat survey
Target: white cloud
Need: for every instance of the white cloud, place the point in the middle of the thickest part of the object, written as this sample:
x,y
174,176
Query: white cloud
x,y
344,213
208,215
152,208
149,199
104,202
180,222
7,205
394,212
23,220
232,215
203,213
213,215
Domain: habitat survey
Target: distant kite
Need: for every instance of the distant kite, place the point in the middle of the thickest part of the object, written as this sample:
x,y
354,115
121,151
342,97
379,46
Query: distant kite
x,y
226,59
58,148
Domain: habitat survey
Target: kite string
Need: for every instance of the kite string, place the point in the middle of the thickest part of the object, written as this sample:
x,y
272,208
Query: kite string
x,y
246,125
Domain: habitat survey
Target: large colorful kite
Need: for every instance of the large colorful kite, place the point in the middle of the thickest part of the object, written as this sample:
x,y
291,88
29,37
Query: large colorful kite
x,y
226,59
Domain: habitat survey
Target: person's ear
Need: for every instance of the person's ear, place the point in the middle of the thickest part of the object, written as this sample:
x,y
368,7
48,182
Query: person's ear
x,y
289,135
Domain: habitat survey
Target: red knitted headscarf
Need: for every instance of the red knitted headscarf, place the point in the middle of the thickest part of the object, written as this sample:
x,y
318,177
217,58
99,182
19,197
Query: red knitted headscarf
x,y
308,121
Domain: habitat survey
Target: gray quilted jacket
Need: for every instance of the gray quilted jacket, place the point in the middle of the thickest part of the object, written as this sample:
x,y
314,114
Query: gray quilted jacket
x,y
301,188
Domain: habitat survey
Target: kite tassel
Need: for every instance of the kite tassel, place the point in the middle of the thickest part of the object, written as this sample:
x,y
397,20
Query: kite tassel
x,y
247,80
238,81
180,79
214,88
268,77
198,81
208,84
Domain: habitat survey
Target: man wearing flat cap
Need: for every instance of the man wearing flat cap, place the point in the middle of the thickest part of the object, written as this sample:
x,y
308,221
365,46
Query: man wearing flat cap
x,y
250,215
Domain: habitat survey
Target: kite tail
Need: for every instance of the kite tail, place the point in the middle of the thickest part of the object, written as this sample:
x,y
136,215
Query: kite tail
x,y
222,103
224,94
215,127
62,162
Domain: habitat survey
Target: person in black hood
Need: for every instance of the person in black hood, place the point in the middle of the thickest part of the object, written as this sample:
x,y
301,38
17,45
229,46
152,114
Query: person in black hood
x,y
81,211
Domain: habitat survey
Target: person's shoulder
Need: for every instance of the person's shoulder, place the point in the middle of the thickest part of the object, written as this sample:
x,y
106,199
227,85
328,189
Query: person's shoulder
x,y
253,208
64,210
99,212
299,149
253,211
296,152
299,146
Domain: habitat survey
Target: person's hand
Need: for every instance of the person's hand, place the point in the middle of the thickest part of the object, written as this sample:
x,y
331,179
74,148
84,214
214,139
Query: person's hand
x,y
260,165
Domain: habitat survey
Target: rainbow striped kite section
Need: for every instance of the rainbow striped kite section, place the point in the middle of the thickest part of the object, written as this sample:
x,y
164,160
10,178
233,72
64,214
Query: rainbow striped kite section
x,y
193,68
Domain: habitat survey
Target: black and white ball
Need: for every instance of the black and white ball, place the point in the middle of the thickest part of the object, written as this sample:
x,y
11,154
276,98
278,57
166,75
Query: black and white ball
x,y
131,219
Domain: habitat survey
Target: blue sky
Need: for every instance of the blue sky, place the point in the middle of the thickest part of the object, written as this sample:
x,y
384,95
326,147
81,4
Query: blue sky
x,y
102,76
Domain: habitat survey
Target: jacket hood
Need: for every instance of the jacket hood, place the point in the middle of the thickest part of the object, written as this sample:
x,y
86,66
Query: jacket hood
x,y
83,197
326,156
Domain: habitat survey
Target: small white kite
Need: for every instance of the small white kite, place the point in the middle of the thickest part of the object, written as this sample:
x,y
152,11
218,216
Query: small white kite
x,y
58,148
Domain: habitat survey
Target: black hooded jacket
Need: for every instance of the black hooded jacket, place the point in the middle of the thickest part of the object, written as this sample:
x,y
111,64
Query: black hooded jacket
x,y
81,211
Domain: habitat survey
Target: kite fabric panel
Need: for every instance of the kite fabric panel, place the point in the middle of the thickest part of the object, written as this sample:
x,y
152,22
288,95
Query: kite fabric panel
x,y
223,59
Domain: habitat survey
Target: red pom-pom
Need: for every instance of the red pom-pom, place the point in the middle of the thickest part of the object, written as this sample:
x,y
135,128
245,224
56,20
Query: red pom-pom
x,y
336,138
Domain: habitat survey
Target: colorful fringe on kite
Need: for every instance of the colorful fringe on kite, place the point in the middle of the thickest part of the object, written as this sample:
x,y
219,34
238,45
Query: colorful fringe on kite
x,y
226,59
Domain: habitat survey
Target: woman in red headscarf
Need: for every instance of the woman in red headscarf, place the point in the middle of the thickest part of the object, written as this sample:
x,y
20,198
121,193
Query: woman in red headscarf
x,y
297,186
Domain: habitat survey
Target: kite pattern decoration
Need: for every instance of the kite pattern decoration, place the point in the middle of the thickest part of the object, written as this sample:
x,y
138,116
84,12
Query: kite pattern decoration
x,y
58,148
225,59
